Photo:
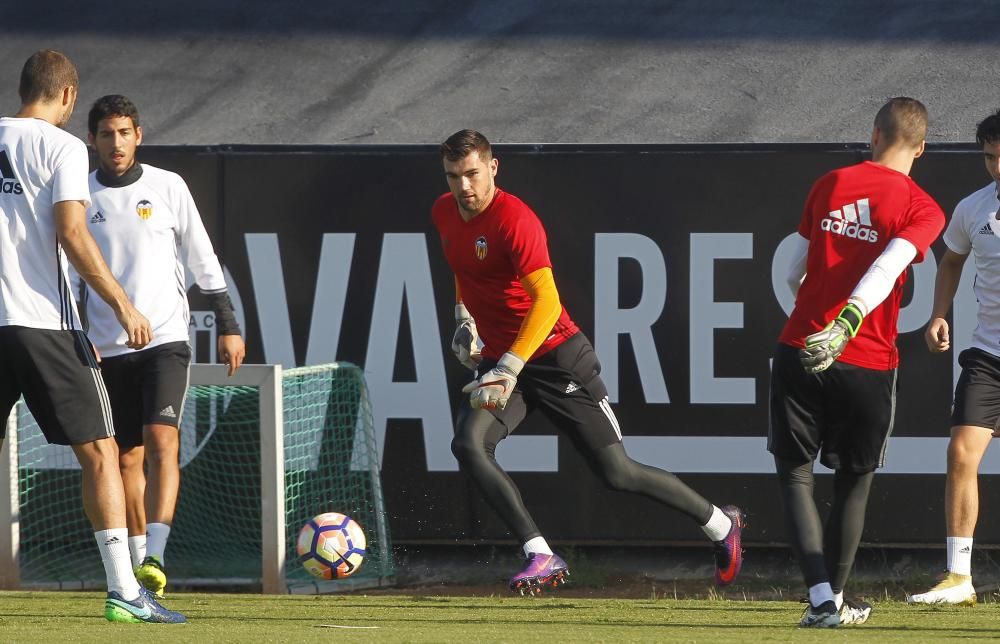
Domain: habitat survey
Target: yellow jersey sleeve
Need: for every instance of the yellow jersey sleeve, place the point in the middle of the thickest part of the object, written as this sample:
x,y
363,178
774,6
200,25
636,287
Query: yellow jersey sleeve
x,y
543,314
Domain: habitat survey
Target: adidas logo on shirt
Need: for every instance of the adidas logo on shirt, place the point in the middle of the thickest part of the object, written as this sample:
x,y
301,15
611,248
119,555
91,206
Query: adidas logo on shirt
x,y
98,218
9,185
168,412
571,387
985,230
853,220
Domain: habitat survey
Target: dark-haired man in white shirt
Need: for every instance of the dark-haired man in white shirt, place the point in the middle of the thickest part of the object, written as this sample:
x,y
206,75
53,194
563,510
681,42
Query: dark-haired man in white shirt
x,y
149,230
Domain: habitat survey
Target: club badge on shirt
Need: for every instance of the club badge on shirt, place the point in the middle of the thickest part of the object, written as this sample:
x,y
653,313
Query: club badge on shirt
x,y
481,248
144,209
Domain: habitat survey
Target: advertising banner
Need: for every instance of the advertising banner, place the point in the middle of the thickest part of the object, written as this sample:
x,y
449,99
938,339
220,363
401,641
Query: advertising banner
x,y
670,258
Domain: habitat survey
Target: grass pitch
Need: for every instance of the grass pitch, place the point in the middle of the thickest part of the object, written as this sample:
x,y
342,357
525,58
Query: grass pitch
x,y
77,617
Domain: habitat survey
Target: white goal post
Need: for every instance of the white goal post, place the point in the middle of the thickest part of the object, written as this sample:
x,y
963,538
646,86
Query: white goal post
x,y
10,539
267,379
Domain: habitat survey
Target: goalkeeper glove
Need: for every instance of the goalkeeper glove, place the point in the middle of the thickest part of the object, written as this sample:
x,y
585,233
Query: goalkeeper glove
x,y
465,342
823,347
494,387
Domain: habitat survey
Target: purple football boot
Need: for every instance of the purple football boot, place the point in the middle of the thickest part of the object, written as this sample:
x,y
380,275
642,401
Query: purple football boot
x,y
729,551
542,570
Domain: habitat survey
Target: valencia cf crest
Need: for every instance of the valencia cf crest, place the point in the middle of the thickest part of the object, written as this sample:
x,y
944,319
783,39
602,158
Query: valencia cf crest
x,y
481,248
144,209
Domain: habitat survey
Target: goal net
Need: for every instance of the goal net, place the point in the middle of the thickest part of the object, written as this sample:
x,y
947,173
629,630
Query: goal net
x,y
241,505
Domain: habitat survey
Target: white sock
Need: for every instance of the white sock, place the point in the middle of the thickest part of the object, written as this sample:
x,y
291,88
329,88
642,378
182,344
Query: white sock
x,y
820,593
718,526
537,545
113,544
960,555
137,548
838,599
156,539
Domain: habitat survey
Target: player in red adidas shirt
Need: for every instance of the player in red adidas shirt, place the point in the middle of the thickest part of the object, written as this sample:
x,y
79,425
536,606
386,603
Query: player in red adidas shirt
x,y
534,357
833,377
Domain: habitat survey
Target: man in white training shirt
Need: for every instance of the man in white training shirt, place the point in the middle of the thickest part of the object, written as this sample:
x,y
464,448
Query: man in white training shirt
x,y
149,230
44,354
976,410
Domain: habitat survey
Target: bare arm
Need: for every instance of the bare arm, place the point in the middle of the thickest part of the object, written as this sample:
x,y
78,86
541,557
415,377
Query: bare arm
x,y
232,351
86,258
949,273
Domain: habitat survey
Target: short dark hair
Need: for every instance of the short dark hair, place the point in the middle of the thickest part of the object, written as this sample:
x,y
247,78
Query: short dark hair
x,y
462,143
988,131
903,120
110,106
44,76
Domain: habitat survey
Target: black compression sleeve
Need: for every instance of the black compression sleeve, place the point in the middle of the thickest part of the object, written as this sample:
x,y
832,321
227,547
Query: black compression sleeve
x,y
225,317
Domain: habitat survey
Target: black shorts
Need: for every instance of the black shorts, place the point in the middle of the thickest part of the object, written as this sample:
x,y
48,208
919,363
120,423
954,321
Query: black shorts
x,y
147,387
56,372
977,393
564,384
846,411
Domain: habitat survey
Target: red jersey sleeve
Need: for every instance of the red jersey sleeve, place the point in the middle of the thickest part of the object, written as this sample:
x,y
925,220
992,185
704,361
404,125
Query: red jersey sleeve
x,y
806,223
527,243
924,222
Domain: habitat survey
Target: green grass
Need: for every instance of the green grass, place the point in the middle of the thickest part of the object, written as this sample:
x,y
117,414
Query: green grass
x,y
77,617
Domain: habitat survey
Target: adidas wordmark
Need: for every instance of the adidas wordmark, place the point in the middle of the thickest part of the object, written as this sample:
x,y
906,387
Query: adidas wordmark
x,y
853,220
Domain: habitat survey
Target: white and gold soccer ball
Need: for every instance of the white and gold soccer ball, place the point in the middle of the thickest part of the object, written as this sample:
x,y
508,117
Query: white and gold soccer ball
x,y
331,546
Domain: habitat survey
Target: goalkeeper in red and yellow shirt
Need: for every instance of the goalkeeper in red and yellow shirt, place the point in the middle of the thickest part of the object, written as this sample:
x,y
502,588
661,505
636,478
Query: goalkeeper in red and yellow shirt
x,y
534,357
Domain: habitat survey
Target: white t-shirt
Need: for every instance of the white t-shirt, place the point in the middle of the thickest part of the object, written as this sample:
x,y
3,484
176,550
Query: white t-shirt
x,y
149,231
970,231
40,165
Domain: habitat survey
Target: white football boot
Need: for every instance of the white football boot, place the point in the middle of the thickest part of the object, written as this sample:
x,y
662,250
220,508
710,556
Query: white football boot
x,y
951,588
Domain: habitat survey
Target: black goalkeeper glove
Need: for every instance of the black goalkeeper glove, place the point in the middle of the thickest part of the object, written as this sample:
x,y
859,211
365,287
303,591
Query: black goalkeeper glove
x,y
823,347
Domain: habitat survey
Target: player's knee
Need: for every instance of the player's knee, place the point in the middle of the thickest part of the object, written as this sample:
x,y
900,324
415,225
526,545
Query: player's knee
x,y
465,449
130,460
162,445
157,459
99,453
620,478
962,457
794,473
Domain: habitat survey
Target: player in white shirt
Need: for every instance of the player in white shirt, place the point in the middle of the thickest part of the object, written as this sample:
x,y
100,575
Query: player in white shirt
x,y
44,354
976,410
150,232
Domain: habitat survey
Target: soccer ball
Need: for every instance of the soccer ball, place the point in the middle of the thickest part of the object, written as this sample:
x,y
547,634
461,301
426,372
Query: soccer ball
x,y
331,546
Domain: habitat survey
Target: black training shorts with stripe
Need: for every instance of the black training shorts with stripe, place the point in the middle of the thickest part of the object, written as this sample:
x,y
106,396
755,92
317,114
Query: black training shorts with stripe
x,y
977,392
844,413
147,387
564,384
56,372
